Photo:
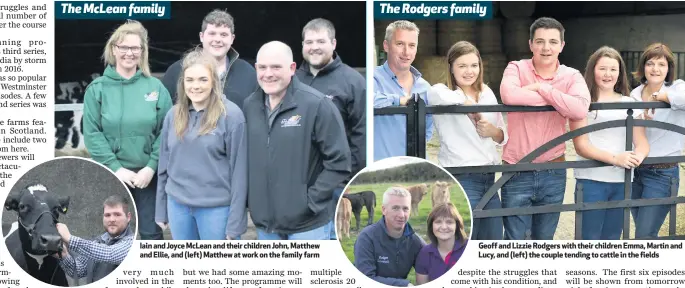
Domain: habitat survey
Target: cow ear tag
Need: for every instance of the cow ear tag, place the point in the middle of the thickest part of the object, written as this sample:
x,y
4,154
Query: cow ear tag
x,y
64,209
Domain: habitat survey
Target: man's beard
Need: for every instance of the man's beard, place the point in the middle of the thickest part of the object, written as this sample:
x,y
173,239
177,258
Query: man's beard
x,y
117,230
322,64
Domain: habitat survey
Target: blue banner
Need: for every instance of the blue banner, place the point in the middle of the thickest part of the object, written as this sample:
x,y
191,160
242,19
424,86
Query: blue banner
x,y
111,10
432,10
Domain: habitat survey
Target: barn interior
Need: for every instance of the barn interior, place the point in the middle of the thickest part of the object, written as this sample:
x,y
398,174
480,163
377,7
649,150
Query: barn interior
x,y
626,26
80,43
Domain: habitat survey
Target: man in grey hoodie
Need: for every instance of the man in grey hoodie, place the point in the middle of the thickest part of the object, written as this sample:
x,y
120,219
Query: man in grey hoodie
x,y
386,250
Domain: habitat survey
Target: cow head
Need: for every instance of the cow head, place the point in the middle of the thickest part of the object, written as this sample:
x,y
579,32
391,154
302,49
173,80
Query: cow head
x,y
38,211
424,189
441,190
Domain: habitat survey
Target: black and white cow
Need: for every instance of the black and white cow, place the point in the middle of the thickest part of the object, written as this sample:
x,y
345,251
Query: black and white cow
x,y
36,239
68,133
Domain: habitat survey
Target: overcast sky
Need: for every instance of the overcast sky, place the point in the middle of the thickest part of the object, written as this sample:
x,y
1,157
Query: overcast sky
x,y
393,162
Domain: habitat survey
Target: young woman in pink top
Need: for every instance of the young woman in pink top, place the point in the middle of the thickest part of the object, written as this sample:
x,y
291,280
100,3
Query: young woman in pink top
x,y
656,73
606,77
470,140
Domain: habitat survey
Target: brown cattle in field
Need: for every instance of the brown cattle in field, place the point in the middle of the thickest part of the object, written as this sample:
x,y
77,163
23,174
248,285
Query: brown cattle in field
x,y
344,214
417,192
440,193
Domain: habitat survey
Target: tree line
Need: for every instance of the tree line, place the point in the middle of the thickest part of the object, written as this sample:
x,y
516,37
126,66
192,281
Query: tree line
x,y
415,172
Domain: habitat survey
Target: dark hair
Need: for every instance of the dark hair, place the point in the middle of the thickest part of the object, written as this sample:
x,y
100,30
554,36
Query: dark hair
x,y
457,50
319,24
218,18
116,200
447,210
656,50
546,23
622,82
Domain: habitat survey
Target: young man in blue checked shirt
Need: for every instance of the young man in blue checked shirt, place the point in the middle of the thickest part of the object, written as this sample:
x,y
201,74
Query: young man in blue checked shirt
x,y
99,257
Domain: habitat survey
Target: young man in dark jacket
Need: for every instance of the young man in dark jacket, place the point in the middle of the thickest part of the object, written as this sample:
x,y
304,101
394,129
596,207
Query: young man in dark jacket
x,y
297,151
386,250
238,78
324,71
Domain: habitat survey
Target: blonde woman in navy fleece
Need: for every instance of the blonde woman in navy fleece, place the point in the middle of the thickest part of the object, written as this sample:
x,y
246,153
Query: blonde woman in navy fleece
x,y
202,190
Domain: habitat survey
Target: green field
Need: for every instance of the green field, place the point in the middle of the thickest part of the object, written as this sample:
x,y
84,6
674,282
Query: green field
x,y
457,196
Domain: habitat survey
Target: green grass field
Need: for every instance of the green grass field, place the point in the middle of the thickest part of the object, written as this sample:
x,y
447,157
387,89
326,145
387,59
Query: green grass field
x,y
457,197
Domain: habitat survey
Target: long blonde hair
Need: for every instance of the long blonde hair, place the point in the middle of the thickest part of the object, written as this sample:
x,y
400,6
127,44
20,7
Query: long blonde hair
x,y
215,106
131,27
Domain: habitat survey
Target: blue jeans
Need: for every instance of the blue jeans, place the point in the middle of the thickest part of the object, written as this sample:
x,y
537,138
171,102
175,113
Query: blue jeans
x,y
602,224
146,200
320,233
475,185
197,223
652,183
330,227
533,188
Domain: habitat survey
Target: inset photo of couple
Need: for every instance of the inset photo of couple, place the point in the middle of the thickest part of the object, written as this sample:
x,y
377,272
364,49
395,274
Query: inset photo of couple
x,y
411,221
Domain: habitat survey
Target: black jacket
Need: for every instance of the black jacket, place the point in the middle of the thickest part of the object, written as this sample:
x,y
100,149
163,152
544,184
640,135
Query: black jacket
x,y
241,82
294,167
347,89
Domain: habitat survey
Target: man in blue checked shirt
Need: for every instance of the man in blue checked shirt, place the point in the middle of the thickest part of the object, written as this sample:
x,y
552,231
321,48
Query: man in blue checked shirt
x,y
395,83
99,257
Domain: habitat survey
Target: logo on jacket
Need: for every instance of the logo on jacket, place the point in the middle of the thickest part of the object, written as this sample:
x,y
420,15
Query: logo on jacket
x,y
152,96
383,259
330,97
293,121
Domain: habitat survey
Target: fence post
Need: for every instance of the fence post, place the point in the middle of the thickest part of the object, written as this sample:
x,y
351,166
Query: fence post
x,y
627,181
411,128
579,214
673,213
421,126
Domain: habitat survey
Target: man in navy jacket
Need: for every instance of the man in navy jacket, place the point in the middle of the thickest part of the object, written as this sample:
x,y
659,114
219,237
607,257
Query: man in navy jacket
x,y
324,70
386,250
297,151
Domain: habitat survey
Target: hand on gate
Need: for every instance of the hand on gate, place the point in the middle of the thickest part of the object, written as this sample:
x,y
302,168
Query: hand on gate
x,y
627,160
647,114
662,96
640,158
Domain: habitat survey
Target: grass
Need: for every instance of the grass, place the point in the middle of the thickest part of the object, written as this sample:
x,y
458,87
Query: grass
x,y
418,223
